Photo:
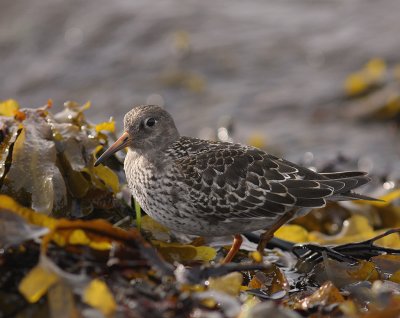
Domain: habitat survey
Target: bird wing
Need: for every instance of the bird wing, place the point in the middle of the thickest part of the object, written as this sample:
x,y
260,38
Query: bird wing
x,y
231,180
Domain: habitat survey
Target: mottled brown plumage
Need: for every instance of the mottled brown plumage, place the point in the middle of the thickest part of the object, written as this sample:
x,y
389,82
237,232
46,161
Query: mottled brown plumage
x,y
213,188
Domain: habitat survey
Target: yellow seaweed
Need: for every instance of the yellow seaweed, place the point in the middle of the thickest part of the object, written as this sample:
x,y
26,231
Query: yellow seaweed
x,y
36,284
97,295
9,107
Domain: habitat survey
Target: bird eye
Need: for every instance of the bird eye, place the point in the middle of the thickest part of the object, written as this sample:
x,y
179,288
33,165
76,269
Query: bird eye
x,y
150,122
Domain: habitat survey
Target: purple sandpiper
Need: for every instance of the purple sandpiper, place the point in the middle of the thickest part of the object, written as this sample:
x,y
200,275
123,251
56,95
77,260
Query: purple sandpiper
x,y
213,188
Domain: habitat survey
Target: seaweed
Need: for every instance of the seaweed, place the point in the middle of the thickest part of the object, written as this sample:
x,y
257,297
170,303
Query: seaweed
x,y
74,243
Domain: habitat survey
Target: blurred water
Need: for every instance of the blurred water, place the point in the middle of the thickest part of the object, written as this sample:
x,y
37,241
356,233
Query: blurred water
x,y
275,66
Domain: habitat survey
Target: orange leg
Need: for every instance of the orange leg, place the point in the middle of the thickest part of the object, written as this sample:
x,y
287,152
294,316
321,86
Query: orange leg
x,y
237,241
269,233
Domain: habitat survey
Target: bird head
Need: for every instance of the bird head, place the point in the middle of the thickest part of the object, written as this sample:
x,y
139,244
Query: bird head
x,y
147,129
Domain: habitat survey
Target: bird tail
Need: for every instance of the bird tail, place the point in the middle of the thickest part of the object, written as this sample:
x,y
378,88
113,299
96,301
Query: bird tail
x,y
354,196
344,182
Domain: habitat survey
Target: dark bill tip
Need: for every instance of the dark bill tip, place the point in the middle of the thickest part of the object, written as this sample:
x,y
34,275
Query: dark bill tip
x,y
121,143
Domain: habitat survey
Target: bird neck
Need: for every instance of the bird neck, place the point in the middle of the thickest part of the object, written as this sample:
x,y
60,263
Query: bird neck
x,y
154,156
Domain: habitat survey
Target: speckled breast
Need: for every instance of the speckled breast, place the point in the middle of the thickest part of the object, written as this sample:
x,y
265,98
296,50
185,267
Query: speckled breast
x,y
154,190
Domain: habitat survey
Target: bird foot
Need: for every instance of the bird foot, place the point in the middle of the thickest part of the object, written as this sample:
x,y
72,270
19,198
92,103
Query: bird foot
x,y
237,242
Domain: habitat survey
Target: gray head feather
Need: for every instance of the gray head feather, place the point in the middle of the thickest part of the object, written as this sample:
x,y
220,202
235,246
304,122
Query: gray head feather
x,y
150,128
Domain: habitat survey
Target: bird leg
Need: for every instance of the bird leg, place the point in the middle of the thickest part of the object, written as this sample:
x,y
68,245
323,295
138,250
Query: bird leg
x,y
269,233
237,241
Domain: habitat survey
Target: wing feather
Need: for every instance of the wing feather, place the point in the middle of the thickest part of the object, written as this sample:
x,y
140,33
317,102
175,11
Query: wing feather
x,y
250,183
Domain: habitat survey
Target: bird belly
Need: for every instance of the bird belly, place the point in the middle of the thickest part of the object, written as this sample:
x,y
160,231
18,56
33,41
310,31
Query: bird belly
x,y
174,210
202,227
181,217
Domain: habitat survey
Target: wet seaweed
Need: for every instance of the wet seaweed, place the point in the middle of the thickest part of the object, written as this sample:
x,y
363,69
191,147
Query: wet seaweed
x,y
69,245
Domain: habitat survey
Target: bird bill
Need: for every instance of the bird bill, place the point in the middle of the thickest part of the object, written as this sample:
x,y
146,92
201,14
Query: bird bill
x,y
121,143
